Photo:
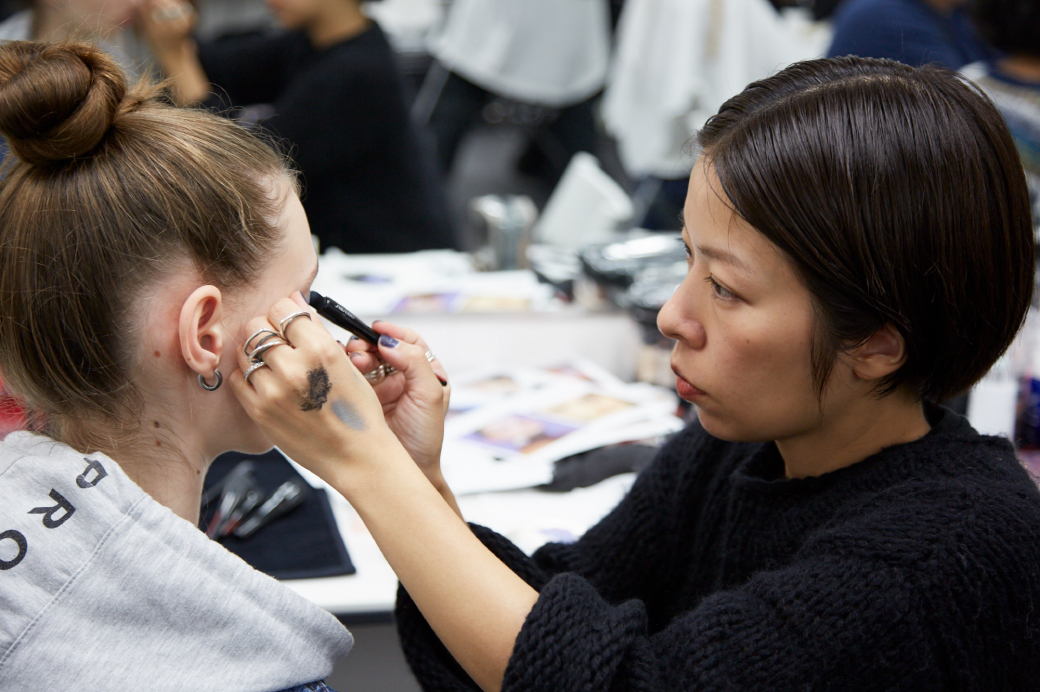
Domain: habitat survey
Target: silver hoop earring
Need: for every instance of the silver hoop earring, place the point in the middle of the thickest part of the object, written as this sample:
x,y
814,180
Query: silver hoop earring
x,y
214,387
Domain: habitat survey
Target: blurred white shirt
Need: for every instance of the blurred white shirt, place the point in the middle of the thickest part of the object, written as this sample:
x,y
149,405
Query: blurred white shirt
x,y
549,52
677,61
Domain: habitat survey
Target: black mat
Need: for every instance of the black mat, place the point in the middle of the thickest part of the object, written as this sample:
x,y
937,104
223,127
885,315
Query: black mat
x,y
302,544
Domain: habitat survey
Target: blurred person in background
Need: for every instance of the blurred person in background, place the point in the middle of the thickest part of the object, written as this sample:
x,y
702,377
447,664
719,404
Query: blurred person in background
x,y
915,32
675,63
1013,81
551,54
330,86
101,21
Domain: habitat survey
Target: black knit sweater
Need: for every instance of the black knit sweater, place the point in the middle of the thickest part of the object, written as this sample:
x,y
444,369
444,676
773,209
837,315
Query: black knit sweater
x,y
915,569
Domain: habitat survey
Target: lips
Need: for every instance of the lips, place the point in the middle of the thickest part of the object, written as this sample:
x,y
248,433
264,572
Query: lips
x,y
686,390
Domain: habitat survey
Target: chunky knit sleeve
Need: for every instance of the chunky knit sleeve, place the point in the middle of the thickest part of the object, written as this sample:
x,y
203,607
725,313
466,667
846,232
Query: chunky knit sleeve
x,y
625,556
630,552
828,624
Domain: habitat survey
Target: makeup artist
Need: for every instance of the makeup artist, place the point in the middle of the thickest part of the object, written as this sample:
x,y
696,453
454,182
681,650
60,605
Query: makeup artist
x,y
329,83
859,247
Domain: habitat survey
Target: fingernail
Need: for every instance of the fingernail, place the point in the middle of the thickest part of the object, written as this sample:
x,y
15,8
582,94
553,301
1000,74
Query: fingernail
x,y
352,355
388,341
444,382
352,338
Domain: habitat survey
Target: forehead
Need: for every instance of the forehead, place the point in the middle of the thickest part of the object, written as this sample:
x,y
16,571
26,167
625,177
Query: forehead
x,y
715,230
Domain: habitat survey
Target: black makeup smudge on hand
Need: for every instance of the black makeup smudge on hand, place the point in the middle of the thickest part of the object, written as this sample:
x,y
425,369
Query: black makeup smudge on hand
x,y
318,386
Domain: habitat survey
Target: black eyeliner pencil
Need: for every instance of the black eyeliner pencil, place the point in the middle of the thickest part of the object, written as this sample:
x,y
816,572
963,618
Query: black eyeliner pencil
x,y
341,317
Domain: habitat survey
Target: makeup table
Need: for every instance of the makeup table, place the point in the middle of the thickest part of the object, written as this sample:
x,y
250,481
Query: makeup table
x,y
468,341
370,593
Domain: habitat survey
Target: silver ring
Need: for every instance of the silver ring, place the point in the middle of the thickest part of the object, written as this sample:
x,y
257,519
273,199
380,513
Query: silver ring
x,y
258,332
376,376
266,345
252,368
288,319
170,14
385,370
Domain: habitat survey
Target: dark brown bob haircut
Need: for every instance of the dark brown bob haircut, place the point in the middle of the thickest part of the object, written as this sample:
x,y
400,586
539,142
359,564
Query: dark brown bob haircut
x,y
898,194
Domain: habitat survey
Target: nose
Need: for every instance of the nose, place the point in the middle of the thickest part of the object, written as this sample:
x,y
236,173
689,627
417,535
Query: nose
x,y
678,318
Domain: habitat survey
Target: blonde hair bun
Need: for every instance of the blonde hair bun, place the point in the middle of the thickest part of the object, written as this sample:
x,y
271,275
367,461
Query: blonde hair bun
x,y
57,100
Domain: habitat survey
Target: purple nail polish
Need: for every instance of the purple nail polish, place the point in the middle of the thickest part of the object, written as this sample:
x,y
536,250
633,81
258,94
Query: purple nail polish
x,y
388,341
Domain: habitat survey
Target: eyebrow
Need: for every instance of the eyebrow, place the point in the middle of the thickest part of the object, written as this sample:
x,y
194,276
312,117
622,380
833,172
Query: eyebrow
x,y
725,256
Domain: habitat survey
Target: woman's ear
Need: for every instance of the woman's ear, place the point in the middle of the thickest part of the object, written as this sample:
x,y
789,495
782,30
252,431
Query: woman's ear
x,y
200,330
880,355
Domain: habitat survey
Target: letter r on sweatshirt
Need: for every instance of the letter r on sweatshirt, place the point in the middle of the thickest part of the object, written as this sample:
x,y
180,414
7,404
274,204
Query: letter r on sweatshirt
x,y
48,512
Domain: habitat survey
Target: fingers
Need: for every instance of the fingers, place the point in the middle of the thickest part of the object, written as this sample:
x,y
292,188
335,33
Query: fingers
x,y
403,334
167,19
400,333
300,333
410,360
364,361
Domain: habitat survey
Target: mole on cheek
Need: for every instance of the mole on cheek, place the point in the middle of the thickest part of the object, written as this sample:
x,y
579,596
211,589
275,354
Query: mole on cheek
x,y
158,355
156,423
158,444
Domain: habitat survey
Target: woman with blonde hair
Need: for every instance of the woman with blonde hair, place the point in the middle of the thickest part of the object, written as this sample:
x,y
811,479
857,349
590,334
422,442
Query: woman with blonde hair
x,y
137,239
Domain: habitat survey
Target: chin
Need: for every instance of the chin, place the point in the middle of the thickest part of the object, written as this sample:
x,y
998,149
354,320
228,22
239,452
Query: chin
x,y
726,429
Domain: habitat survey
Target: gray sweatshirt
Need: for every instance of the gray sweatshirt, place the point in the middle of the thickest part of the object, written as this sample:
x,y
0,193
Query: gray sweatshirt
x,y
103,588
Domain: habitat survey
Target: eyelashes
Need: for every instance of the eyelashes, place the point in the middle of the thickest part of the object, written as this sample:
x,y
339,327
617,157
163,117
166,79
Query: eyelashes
x,y
720,291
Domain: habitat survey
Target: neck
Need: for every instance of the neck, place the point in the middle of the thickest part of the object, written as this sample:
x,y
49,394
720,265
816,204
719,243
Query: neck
x,y
861,429
171,477
48,25
340,20
51,24
1022,67
167,461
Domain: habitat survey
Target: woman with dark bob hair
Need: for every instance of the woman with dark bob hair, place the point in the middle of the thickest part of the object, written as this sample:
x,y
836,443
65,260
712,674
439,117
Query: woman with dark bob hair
x,y
859,248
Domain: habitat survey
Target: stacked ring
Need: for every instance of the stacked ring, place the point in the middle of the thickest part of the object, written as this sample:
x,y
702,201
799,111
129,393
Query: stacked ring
x,y
376,376
383,371
264,345
253,368
288,319
263,330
